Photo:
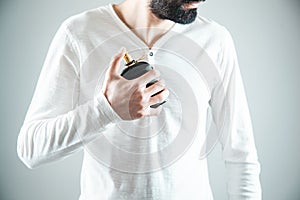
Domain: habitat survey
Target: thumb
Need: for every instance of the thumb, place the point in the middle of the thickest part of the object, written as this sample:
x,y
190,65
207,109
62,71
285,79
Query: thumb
x,y
115,62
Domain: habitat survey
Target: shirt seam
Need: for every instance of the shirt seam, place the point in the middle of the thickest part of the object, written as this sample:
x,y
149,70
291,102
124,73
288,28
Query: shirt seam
x,y
75,48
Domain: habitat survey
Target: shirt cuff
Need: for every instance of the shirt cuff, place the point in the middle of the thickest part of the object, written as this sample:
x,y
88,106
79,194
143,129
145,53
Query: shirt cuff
x,y
104,106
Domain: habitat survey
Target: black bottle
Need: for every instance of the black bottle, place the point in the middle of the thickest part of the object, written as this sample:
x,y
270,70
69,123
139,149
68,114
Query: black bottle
x,y
135,69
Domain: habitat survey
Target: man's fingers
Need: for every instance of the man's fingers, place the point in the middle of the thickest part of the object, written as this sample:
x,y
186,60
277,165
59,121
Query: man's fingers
x,y
154,111
115,62
148,77
162,96
155,88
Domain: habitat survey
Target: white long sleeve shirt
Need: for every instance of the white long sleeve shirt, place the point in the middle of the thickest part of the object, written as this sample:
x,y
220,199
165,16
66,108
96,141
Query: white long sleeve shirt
x,y
162,157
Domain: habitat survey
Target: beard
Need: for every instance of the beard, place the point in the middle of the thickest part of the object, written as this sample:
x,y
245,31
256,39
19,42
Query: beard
x,y
173,10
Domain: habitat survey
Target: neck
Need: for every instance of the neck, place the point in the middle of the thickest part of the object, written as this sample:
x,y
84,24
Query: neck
x,y
136,14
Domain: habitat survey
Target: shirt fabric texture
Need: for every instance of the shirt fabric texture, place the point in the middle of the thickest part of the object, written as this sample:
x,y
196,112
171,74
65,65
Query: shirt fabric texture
x,y
69,112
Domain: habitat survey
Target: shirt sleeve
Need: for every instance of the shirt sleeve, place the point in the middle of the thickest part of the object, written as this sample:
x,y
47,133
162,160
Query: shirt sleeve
x,y
55,125
231,114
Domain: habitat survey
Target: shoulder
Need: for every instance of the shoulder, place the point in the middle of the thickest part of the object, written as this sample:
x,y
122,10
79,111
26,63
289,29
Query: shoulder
x,y
214,27
210,35
88,20
213,38
208,30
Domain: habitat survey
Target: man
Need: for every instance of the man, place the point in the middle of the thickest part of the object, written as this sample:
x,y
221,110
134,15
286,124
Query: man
x,y
132,151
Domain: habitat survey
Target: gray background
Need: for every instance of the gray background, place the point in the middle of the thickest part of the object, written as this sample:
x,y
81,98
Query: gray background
x,y
267,38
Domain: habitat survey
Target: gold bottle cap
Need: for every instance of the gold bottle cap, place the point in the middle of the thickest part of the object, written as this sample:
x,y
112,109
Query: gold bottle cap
x,y
127,58
129,61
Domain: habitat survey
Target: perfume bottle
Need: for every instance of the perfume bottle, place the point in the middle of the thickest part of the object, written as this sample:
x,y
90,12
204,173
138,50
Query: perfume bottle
x,y
135,69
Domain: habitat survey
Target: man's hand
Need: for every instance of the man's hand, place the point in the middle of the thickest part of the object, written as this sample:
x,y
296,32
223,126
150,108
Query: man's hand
x,y
130,99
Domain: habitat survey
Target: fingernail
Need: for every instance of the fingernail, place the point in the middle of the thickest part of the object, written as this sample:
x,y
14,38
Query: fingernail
x,y
122,50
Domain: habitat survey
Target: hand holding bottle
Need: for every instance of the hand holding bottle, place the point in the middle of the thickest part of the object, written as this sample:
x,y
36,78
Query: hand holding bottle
x,y
130,99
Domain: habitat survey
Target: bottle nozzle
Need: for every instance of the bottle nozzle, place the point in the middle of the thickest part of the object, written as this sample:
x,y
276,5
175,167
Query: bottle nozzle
x,y
127,58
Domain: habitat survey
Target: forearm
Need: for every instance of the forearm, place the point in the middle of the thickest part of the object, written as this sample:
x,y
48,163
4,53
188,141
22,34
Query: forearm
x,y
243,181
44,140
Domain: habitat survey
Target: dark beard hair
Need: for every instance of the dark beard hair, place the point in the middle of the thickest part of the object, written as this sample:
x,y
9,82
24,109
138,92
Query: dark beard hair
x,y
172,10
